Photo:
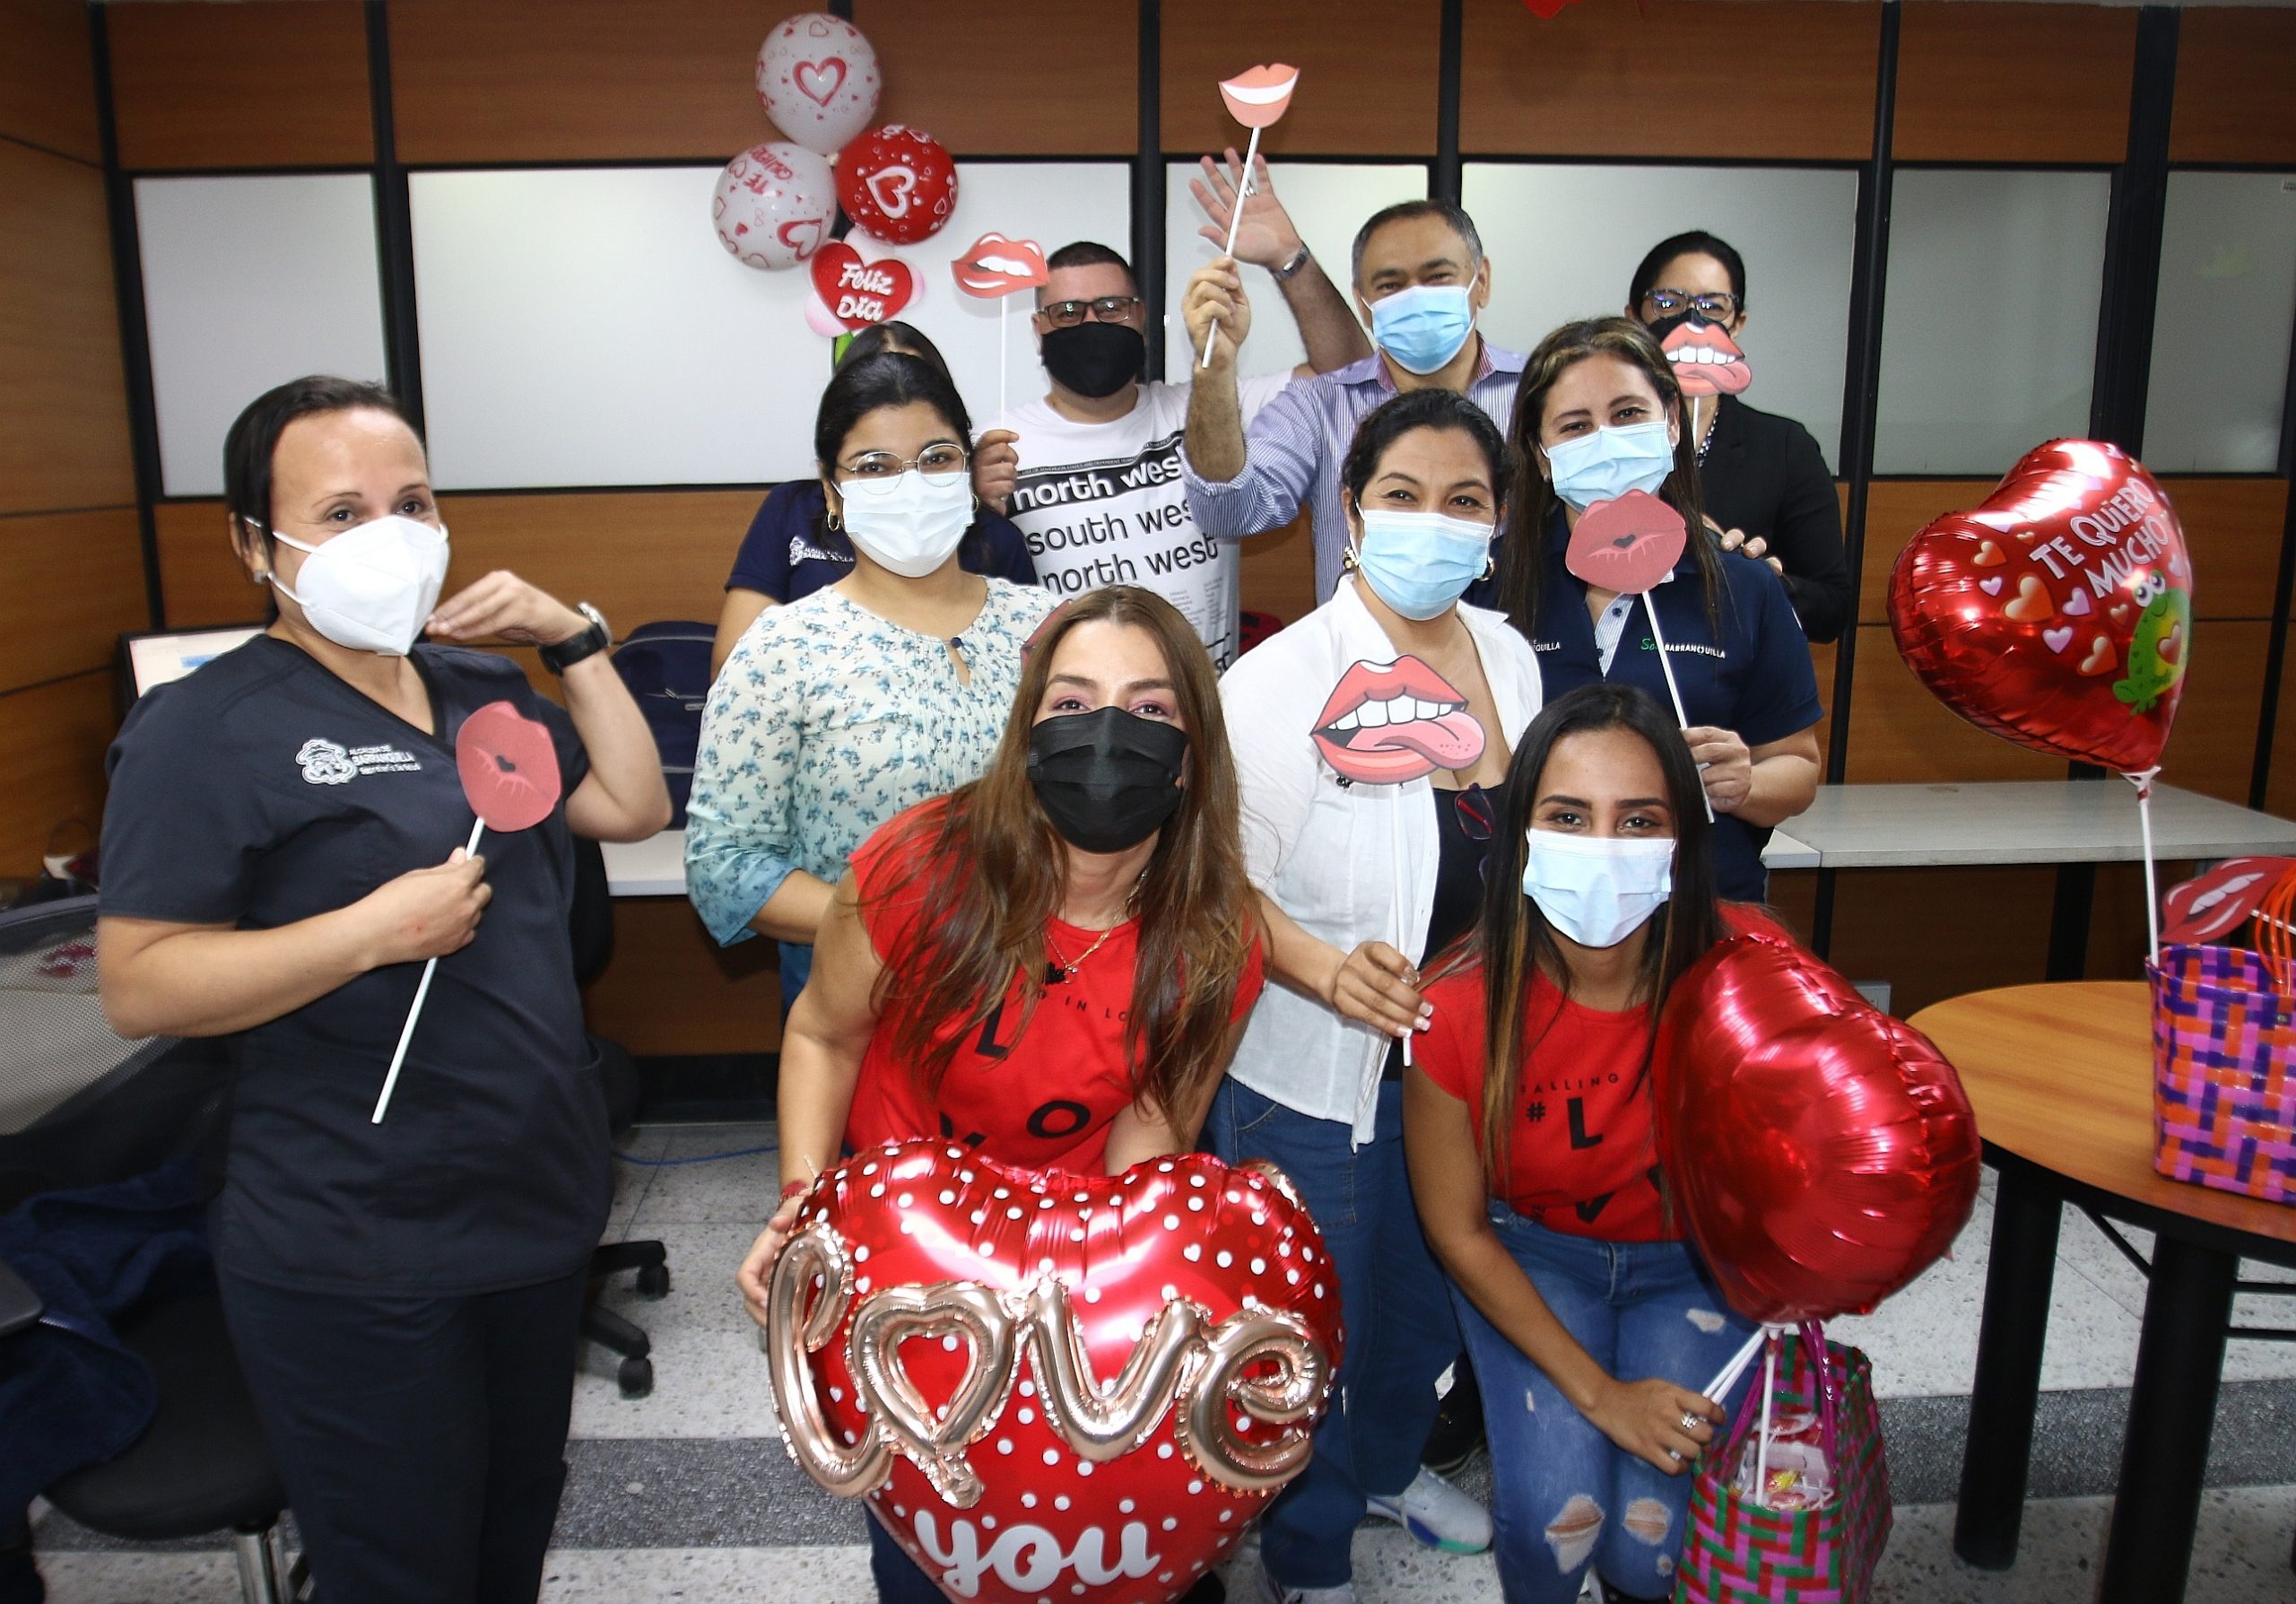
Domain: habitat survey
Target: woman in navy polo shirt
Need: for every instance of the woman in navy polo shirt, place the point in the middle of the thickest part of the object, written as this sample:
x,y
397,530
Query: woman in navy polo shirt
x,y
281,852
1599,415
792,549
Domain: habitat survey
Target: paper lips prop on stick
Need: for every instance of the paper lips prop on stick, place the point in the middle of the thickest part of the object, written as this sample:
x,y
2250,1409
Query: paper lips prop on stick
x,y
1628,545
1706,360
817,75
774,204
1821,1152
1258,99
2208,908
994,266
1049,1385
858,293
2058,614
897,183
508,767
1385,723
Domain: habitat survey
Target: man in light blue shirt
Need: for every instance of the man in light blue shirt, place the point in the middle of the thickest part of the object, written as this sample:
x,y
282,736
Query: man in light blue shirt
x,y
1420,279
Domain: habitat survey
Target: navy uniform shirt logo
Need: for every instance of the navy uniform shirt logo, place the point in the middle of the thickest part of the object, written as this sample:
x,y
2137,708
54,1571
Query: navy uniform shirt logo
x,y
329,763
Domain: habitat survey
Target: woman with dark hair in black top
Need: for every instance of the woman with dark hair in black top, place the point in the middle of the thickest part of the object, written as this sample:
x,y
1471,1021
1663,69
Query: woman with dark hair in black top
x,y
1761,477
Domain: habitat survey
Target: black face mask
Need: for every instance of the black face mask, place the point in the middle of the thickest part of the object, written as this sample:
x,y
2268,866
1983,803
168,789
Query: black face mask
x,y
1094,359
1108,779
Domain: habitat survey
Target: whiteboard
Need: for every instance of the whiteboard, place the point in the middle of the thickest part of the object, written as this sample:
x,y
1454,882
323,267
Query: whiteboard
x,y
1564,241
1052,203
248,282
1989,331
1328,201
584,326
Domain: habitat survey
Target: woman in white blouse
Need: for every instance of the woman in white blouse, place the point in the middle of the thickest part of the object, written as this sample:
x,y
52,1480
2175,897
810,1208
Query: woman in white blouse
x,y
1366,737
867,697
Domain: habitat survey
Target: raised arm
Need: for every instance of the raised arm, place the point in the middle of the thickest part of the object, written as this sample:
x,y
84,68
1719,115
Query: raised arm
x,y
1267,238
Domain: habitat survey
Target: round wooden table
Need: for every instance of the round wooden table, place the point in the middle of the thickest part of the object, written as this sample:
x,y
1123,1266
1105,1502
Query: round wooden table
x,y
2061,1079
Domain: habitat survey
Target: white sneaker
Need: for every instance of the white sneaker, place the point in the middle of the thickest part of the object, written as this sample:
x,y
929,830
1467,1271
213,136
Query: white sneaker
x,y
1438,1514
1344,1594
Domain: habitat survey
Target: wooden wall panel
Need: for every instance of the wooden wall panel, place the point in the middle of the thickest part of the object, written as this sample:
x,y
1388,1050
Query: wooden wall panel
x,y
2213,745
2014,82
75,583
63,439
1279,572
1368,73
571,80
55,735
638,556
47,82
2233,528
1896,509
1780,78
1025,78
282,83
1900,732
200,581
2280,786
2234,66
671,989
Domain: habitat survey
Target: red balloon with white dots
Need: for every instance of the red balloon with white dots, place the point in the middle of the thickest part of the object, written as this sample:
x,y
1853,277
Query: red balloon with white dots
x,y
1047,1385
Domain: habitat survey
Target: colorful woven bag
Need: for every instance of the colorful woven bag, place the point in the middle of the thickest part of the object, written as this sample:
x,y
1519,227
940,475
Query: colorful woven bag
x,y
2223,1072
1736,1551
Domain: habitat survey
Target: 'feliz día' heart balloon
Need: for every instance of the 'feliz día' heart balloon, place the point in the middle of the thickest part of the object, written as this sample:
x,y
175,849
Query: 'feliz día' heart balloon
x,y
2059,613
1052,1385
1822,1153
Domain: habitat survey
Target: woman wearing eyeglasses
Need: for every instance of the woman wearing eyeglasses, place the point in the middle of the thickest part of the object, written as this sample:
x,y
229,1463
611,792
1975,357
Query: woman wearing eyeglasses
x,y
867,696
1365,738
1761,477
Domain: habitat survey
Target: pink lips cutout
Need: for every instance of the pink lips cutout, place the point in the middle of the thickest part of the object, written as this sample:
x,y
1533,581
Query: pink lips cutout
x,y
1396,749
1707,362
1258,97
1628,545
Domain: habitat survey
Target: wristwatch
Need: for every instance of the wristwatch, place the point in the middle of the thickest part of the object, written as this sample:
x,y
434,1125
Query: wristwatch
x,y
1291,269
571,651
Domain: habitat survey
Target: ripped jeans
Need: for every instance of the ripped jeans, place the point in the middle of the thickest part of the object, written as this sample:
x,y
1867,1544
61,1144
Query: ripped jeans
x,y
1566,1496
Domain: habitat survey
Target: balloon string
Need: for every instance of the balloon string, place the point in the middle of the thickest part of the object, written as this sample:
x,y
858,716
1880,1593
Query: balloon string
x,y
1682,715
2142,781
1727,1377
1235,220
422,991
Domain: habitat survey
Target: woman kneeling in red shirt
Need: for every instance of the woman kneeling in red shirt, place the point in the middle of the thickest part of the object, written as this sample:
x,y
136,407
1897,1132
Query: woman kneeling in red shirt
x,y
1053,964
1591,1323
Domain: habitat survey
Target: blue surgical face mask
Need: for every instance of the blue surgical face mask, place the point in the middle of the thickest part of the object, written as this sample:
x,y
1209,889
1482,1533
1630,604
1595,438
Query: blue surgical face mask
x,y
1424,326
1421,563
1605,465
1598,890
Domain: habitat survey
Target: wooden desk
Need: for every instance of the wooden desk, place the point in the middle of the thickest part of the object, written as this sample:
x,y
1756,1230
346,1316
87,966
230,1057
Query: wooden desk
x,y
2061,1079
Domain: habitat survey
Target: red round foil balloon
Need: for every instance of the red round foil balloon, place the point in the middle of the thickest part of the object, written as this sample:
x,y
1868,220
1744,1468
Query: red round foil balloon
x,y
2059,613
508,767
1822,1153
1052,1385
897,183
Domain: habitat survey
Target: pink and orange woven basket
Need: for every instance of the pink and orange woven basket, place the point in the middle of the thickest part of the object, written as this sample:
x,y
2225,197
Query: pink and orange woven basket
x,y
2224,1071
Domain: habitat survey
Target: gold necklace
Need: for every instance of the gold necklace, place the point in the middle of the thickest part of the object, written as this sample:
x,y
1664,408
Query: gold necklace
x,y
1058,971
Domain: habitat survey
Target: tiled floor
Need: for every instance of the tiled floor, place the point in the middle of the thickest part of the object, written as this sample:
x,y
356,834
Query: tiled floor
x,y
697,1463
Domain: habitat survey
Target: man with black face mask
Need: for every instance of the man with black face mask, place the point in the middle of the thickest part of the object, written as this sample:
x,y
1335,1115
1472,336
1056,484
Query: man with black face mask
x,y
1099,495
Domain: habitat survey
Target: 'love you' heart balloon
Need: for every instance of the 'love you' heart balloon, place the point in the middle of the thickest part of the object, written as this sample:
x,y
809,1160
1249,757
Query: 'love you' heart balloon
x,y
774,205
897,183
1052,1385
2059,613
817,77
1822,1153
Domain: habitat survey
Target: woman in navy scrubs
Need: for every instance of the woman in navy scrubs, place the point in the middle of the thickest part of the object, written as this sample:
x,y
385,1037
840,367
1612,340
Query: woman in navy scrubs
x,y
282,851
1599,415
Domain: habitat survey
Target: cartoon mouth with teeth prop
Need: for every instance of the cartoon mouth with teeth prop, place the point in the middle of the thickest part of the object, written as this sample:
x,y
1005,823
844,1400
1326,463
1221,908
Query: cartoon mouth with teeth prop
x,y
996,265
1707,361
1257,99
1386,723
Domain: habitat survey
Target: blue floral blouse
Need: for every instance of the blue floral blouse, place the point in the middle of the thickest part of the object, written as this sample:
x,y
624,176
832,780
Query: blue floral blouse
x,y
827,721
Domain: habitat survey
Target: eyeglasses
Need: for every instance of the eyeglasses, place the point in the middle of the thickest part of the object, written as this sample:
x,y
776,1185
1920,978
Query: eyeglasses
x,y
1105,308
883,468
1476,817
1714,308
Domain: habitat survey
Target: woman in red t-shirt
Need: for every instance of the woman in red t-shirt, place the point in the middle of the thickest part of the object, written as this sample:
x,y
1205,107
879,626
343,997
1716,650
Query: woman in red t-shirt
x,y
1591,1323
1053,964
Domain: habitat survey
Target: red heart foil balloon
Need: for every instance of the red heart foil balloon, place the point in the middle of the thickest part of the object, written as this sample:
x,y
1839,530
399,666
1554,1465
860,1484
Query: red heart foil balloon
x,y
1822,1153
898,185
2059,613
1052,1385
508,767
858,293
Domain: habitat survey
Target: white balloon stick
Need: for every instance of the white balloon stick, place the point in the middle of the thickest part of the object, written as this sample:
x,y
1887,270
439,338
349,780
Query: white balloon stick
x,y
422,991
1681,716
1235,220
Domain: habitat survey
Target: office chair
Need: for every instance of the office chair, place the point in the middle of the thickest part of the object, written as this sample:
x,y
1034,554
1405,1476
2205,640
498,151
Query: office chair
x,y
81,1107
593,934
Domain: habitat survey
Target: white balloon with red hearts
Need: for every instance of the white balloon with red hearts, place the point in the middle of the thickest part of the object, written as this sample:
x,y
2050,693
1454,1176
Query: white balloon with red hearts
x,y
817,75
775,205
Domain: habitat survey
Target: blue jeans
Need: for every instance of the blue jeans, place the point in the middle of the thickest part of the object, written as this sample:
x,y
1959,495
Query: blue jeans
x,y
1400,1331
1566,1495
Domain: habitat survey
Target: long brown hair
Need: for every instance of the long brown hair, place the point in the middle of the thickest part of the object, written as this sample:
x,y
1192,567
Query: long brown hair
x,y
1511,940
996,868
1531,500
